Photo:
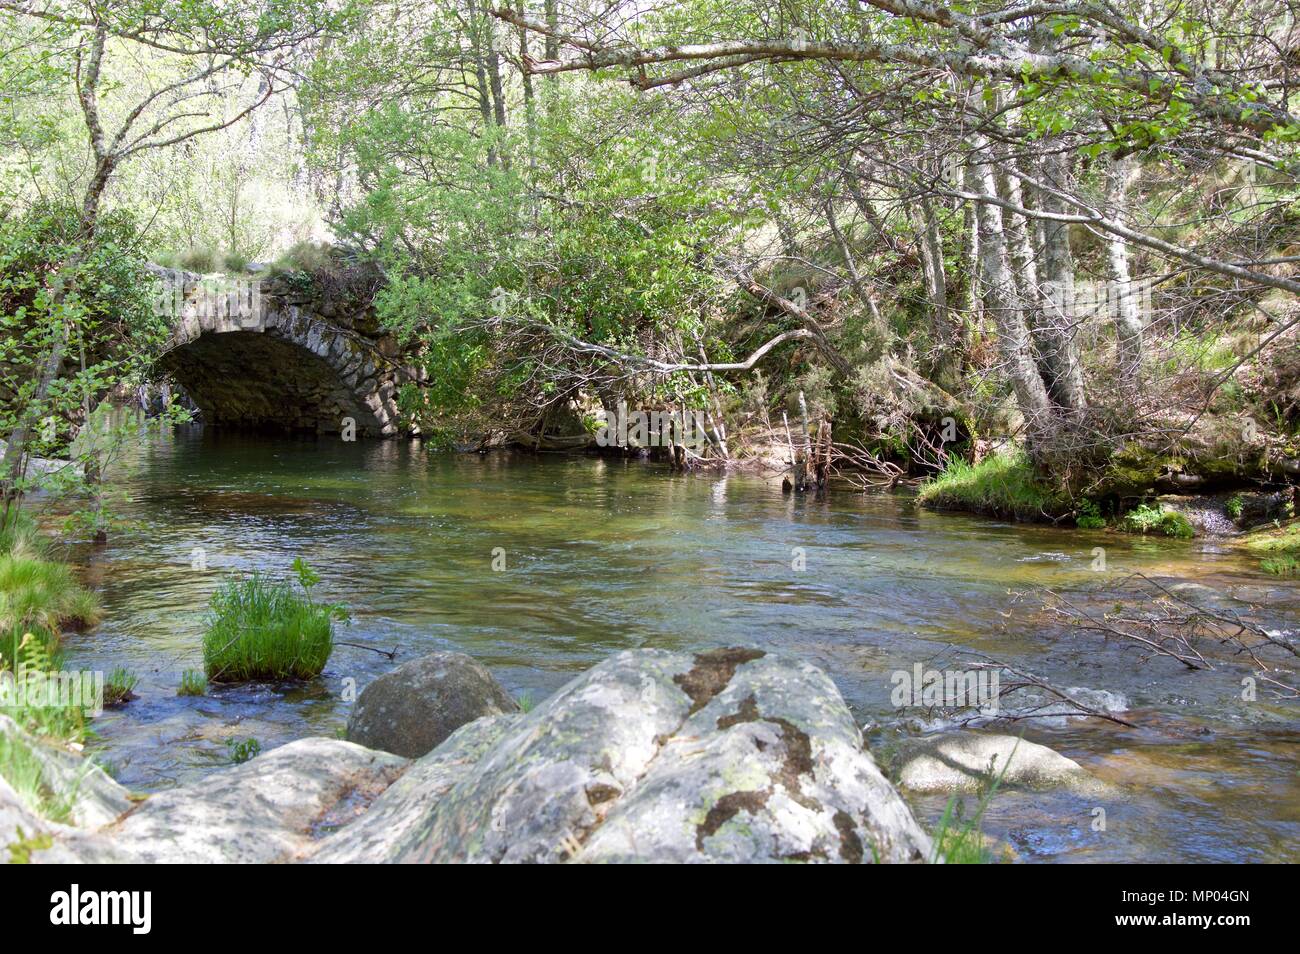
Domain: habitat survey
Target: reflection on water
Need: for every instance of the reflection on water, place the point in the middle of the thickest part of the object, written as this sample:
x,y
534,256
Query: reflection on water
x,y
602,556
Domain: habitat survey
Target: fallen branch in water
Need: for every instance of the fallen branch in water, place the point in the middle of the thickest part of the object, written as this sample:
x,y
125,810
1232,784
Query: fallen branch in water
x,y
382,652
1042,699
1166,623
1023,679
855,464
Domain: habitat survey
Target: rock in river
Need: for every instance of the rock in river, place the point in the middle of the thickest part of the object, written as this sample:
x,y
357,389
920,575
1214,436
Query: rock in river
x,y
728,755
411,710
967,761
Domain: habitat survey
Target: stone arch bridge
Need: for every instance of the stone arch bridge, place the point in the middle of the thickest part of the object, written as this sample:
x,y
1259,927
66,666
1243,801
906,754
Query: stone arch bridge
x,y
265,354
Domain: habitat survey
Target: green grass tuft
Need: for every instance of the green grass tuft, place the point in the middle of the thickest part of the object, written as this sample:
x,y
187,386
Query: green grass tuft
x,y
39,598
118,687
959,839
1279,549
1002,485
260,630
193,683
1285,564
21,768
1275,540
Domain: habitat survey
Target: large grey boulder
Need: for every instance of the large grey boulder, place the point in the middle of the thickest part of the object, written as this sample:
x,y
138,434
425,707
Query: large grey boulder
x,y
969,761
413,709
652,756
731,755
384,830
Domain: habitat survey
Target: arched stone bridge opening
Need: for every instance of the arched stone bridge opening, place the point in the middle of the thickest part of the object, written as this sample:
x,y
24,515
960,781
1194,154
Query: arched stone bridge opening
x,y
258,355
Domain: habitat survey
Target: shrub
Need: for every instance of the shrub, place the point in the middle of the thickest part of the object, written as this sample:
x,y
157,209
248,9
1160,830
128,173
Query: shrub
x,y
1001,485
261,630
1154,519
305,257
193,683
199,259
1089,516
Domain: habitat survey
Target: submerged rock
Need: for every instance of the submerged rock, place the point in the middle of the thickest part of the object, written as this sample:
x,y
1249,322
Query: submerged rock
x,y
969,761
411,710
730,755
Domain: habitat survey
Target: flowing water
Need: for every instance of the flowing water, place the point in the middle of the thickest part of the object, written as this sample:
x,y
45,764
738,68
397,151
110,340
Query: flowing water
x,y
602,556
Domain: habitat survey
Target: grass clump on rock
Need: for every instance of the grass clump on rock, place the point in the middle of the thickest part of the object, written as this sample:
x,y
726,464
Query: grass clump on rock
x,y
1001,485
260,630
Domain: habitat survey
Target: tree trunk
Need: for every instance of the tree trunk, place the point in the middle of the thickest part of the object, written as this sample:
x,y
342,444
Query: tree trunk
x,y
1123,298
1020,246
1055,327
1001,305
925,222
972,307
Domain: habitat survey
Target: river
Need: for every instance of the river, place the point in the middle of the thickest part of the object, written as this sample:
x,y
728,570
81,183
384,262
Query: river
x,y
601,556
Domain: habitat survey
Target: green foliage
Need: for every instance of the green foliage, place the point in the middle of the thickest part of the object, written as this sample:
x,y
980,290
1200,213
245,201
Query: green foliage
x,y
1089,516
1284,564
1211,352
261,630
202,259
1279,548
304,257
23,770
193,683
241,750
42,596
603,235
118,687
1149,518
19,535
1001,485
64,294
1235,506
